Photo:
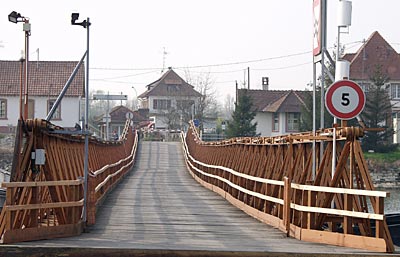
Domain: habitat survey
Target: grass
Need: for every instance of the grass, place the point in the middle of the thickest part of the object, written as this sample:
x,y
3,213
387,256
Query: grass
x,y
383,157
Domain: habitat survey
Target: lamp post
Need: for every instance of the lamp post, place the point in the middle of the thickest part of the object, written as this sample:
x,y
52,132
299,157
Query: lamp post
x,y
15,17
86,24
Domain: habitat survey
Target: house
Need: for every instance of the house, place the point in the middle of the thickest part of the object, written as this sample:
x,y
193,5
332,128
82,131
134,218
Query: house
x,y
46,81
277,111
377,51
171,101
118,116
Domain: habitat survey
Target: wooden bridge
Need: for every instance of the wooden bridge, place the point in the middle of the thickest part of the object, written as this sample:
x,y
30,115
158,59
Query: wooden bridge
x,y
154,206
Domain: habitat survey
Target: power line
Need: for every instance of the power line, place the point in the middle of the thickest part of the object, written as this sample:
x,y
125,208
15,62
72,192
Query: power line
x,y
211,65
127,76
284,67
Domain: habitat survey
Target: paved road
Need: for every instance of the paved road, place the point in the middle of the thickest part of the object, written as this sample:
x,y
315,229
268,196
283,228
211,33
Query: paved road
x,y
159,206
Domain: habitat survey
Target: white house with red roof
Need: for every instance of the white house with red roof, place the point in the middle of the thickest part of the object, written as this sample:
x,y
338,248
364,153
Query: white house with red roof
x,y
377,51
278,112
169,100
46,81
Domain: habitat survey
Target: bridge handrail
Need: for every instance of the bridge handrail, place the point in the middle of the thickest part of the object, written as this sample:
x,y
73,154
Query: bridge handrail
x,y
281,183
293,185
109,176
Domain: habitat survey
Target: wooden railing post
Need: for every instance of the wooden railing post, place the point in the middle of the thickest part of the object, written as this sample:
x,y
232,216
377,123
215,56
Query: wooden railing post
x,y
9,214
379,223
286,204
91,204
311,215
347,221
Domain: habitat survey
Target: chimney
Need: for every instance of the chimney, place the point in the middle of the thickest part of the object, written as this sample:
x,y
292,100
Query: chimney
x,y
265,83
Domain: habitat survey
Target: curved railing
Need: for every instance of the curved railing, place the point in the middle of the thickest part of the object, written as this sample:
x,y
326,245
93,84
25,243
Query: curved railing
x,y
271,179
45,197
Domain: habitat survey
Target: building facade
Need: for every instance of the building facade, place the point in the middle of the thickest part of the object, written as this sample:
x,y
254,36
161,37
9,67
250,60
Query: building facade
x,y
376,51
46,81
171,101
278,112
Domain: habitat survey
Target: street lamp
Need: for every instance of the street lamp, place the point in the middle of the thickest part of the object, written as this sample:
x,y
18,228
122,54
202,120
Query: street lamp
x,y
15,17
86,24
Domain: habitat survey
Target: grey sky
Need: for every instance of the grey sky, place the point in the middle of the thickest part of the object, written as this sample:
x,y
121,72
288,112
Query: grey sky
x,y
127,38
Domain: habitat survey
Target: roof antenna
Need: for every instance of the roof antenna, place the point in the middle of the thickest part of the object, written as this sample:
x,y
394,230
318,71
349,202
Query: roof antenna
x,y
37,63
164,57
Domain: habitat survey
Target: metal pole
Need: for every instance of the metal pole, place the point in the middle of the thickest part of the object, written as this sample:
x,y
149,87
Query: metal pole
x,y
86,161
64,90
314,121
26,72
335,119
21,88
107,115
248,77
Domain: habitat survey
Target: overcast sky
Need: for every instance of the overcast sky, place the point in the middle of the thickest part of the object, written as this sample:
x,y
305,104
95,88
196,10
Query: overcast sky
x,y
127,38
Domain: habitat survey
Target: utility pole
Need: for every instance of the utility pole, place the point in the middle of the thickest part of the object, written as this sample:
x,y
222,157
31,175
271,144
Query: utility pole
x,y
248,78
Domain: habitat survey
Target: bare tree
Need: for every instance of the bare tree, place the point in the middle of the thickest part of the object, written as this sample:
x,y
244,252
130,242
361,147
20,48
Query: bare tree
x,y
229,106
203,83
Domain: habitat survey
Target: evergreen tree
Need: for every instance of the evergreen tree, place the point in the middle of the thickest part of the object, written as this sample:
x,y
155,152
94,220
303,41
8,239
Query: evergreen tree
x,y
241,123
306,121
377,114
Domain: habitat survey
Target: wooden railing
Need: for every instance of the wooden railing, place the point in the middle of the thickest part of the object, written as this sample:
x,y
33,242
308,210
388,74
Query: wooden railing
x,y
271,179
104,179
46,200
35,212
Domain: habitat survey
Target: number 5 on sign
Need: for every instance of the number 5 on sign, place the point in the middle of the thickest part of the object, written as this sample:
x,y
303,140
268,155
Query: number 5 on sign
x,y
345,99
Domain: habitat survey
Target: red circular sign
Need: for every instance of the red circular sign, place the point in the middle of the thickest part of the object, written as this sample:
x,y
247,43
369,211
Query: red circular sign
x,y
345,99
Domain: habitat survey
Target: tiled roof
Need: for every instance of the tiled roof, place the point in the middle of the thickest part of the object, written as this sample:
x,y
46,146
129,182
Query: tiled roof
x,y
46,78
375,51
275,100
170,84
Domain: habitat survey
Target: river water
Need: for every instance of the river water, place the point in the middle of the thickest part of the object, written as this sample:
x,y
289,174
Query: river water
x,y
392,203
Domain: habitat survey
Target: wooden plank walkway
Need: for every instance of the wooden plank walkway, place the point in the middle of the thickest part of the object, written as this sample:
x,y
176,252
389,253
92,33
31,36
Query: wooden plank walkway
x,y
159,208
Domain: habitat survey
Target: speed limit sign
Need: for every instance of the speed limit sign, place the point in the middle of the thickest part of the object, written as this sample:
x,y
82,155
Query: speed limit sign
x,y
345,99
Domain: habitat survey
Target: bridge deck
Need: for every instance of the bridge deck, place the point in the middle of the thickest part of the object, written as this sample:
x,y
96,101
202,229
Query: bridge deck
x,y
159,206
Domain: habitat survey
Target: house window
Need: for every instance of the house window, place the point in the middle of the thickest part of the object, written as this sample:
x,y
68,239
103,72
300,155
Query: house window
x,y
395,90
57,113
3,109
275,121
184,105
293,121
161,104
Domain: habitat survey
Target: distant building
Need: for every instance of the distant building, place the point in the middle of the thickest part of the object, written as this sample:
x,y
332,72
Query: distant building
x,y
46,80
118,116
278,112
171,101
377,51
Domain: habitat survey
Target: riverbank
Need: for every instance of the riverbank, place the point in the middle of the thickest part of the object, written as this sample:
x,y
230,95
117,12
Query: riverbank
x,y
384,175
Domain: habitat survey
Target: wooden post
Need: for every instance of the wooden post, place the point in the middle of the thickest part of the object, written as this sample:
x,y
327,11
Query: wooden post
x,y
9,214
311,215
379,223
35,212
347,222
286,204
91,204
